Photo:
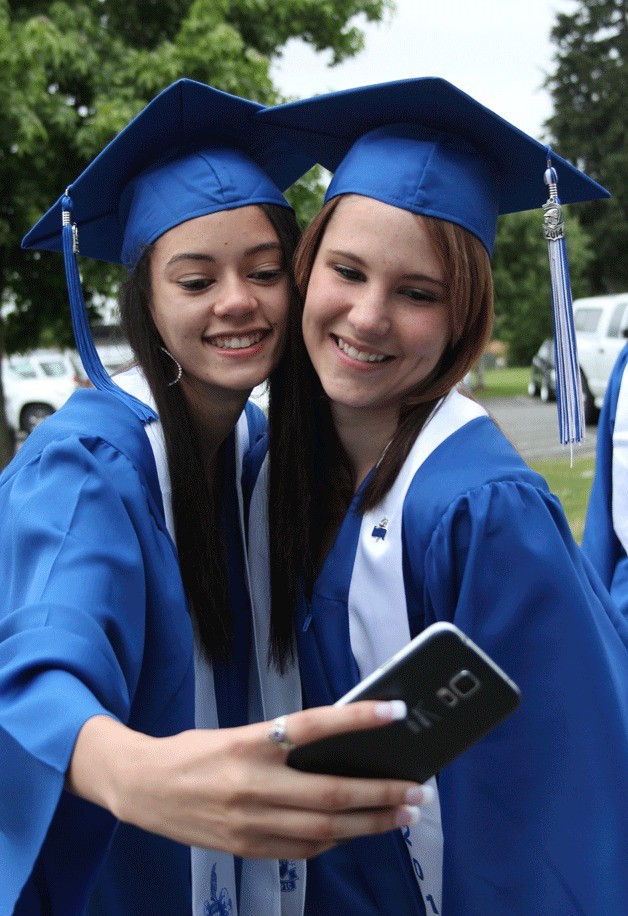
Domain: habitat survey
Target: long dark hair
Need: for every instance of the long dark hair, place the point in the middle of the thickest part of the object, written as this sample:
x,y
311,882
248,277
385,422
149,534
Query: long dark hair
x,y
330,479
195,507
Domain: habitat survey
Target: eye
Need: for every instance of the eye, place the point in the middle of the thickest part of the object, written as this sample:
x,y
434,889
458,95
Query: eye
x,y
195,284
349,273
268,275
418,295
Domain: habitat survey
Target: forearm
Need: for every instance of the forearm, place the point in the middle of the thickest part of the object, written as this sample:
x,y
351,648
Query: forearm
x,y
108,763
230,788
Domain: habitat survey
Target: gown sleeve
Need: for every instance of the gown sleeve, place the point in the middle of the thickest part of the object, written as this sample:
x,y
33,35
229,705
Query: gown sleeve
x,y
534,815
72,609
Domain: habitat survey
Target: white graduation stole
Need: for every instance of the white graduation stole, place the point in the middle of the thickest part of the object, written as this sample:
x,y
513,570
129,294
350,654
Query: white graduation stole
x,y
278,694
267,886
378,614
619,497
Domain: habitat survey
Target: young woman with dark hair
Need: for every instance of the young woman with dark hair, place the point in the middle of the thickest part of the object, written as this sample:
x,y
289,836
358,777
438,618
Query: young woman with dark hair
x,y
130,662
419,510
195,513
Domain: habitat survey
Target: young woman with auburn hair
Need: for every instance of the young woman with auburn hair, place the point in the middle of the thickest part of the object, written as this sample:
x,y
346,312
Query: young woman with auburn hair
x,y
418,510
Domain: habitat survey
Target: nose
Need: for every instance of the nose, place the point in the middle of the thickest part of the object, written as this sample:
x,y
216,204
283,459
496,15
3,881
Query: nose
x,y
369,314
236,299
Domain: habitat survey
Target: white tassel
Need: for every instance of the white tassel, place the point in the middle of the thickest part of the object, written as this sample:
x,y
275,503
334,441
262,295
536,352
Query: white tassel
x,y
568,383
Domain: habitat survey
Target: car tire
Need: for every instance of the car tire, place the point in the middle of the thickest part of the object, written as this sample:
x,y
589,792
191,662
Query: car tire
x,y
591,413
33,414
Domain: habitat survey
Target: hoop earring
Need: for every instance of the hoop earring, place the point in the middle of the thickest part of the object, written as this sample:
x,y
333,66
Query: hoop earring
x,y
177,364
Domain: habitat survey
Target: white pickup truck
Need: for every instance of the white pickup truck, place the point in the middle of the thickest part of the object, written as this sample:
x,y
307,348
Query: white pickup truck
x,y
601,324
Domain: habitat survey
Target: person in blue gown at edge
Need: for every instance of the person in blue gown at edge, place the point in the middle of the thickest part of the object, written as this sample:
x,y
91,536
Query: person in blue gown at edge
x,y
420,510
605,537
130,669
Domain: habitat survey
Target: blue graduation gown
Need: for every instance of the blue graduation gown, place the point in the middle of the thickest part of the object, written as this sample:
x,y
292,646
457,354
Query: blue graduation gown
x,y
93,620
534,815
601,542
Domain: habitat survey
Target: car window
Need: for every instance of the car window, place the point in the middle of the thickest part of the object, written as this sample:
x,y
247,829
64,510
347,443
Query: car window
x,y
587,319
23,369
617,321
53,368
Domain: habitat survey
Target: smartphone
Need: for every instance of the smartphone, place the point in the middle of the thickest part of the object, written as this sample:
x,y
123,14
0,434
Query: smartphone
x,y
454,692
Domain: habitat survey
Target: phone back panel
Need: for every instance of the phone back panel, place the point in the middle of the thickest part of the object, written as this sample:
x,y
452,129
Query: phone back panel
x,y
454,694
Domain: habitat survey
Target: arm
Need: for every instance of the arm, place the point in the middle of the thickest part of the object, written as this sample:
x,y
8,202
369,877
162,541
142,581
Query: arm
x,y
72,626
230,789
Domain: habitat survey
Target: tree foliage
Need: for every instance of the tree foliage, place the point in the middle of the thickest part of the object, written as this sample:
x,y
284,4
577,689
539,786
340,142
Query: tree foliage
x,y
588,89
523,297
74,72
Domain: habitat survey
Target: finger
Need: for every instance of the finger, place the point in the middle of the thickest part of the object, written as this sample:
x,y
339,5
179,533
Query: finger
x,y
320,828
319,792
323,721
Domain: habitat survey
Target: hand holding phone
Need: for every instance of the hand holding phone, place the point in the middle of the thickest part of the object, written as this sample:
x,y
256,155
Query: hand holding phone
x,y
454,693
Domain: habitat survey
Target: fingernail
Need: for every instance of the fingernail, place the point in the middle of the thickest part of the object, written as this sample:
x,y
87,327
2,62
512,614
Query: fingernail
x,y
407,816
420,795
391,711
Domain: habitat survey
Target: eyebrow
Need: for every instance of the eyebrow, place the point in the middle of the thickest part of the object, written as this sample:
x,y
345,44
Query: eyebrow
x,y
411,277
200,256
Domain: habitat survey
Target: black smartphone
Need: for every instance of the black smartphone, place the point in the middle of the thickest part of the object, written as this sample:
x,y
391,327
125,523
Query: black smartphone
x,y
454,692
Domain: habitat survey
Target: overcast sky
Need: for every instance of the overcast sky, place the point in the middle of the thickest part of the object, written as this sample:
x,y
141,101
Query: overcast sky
x,y
498,51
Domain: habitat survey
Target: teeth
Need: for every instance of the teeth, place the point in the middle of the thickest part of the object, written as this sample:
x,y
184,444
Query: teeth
x,y
360,355
237,343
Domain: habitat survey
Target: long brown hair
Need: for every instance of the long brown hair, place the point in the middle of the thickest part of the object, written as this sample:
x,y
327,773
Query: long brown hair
x,y
195,507
467,271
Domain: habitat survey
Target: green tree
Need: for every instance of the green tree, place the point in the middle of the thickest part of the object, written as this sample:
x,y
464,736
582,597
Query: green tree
x,y
588,89
523,297
74,72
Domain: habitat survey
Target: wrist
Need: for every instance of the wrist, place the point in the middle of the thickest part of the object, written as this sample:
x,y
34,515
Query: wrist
x,y
109,765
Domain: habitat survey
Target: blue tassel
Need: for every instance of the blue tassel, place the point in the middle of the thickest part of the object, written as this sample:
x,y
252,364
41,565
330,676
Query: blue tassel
x,y
568,383
94,368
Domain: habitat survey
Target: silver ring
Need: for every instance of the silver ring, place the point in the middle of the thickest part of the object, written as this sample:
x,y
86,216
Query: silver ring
x,y
278,735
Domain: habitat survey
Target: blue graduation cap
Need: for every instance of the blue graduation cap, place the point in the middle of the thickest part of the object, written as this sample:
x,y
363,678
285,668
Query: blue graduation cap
x,y
192,151
425,146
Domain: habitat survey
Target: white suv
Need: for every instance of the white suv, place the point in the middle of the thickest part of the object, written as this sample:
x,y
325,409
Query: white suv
x,y
35,385
601,324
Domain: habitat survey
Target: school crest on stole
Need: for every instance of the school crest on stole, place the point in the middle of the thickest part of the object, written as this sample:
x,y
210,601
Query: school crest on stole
x,y
218,904
288,875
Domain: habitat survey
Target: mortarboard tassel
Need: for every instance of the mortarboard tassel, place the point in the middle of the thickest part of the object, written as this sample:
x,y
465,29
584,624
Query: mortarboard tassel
x,y
568,383
96,372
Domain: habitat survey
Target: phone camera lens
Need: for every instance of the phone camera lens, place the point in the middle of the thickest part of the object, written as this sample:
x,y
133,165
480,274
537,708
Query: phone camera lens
x,y
464,683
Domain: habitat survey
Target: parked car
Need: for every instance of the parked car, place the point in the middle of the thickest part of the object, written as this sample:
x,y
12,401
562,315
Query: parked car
x,y
35,385
601,324
111,345
542,375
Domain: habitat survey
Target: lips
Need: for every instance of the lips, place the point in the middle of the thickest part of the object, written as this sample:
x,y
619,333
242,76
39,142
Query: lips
x,y
363,356
236,342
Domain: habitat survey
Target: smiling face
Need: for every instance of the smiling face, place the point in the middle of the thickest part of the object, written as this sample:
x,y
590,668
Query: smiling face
x,y
376,319
219,299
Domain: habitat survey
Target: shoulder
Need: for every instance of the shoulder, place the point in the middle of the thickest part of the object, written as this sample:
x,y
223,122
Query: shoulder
x,y
475,463
92,430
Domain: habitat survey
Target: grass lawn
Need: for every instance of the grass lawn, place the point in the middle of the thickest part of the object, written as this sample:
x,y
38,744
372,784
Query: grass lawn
x,y
504,383
571,485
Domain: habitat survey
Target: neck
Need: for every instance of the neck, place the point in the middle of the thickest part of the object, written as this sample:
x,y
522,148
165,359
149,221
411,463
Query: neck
x,y
213,413
364,435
